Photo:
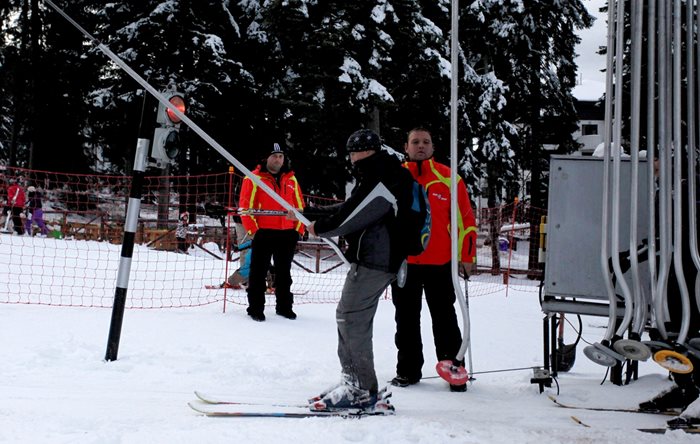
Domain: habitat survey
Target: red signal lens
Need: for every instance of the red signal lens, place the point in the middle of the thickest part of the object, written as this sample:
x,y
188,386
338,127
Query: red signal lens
x,y
179,103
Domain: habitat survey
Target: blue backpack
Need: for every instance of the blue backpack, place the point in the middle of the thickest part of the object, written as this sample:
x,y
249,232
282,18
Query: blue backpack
x,y
414,221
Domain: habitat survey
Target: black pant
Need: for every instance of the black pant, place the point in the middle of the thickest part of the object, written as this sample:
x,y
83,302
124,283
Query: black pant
x,y
280,246
436,280
17,219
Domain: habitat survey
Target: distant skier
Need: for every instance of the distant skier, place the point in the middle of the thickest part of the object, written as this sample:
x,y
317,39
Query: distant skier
x,y
35,213
181,232
16,200
239,278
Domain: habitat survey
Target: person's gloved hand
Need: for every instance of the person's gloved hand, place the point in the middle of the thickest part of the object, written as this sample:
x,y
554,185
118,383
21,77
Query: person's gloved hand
x,y
466,269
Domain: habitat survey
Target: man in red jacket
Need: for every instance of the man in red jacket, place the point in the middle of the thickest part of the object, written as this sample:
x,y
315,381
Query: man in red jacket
x,y
16,200
431,270
273,236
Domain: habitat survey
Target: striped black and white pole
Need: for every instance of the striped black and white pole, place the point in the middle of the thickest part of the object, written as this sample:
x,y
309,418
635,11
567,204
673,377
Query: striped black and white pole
x,y
130,225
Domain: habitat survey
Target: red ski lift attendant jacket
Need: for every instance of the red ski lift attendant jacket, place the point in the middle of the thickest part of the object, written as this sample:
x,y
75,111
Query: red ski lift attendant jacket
x,y
435,177
253,196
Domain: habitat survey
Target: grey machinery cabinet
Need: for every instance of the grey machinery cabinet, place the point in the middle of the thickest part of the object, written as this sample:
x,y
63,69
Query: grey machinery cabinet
x,y
574,279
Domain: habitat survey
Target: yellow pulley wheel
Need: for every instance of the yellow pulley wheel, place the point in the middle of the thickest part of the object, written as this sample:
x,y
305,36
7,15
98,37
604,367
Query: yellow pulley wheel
x,y
673,361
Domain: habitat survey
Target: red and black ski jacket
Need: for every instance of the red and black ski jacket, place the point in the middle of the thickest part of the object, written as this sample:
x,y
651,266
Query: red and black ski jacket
x,y
254,197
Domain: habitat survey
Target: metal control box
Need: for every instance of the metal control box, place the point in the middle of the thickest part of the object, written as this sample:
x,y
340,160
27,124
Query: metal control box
x,y
574,225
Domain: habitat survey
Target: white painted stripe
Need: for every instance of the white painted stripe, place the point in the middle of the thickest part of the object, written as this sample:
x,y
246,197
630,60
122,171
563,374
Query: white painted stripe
x,y
123,273
380,191
132,215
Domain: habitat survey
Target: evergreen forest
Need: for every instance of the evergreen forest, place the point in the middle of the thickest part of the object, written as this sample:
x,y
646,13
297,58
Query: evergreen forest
x,y
308,72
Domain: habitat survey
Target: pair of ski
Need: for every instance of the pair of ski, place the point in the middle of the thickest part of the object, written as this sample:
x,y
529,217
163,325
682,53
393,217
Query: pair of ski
x,y
219,287
214,406
660,430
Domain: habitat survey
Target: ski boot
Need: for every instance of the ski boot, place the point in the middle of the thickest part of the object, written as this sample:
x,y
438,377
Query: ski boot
x,y
403,381
383,393
677,398
354,401
683,422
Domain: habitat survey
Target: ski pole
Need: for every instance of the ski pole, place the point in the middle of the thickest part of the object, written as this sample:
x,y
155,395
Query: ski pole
x,y
256,212
7,221
9,210
469,343
263,212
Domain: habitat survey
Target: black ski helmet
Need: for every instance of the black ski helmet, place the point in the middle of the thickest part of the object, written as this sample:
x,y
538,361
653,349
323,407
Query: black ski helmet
x,y
363,140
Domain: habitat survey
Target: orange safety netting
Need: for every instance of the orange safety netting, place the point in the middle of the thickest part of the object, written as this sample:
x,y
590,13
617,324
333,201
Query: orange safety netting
x,y
73,261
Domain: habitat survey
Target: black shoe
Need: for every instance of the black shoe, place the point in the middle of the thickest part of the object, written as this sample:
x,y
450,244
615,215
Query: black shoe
x,y
458,388
286,313
676,398
683,422
402,381
257,315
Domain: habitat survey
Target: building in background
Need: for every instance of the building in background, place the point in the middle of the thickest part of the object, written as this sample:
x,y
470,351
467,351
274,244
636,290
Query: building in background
x,y
591,125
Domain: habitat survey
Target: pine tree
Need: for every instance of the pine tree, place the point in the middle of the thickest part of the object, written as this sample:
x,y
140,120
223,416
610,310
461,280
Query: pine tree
x,y
46,77
60,77
321,80
308,71
183,43
420,73
11,84
524,51
529,47
15,70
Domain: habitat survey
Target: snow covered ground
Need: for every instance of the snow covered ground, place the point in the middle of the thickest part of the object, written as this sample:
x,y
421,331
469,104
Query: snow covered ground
x,y
56,388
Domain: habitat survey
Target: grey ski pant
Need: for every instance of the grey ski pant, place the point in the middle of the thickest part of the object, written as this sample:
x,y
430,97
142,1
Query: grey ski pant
x,y
355,317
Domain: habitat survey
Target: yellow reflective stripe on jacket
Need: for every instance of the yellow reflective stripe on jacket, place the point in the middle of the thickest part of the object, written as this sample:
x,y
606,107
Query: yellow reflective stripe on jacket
x,y
462,233
299,201
251,202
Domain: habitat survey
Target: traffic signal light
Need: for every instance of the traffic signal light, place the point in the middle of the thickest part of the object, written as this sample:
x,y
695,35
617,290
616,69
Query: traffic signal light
x,y
166,140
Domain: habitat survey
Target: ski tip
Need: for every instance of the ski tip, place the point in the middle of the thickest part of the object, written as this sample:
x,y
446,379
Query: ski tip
x,y
196,408
205,398
578,421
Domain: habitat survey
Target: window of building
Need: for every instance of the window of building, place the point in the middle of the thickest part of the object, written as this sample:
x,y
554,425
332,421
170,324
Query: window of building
x,y
589,129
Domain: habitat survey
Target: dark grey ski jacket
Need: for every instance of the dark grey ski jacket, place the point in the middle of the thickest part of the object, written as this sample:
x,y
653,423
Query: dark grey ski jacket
x,y
367,219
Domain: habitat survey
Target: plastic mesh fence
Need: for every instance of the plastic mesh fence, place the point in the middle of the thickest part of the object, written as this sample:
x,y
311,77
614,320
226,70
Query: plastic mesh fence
x,y
72,258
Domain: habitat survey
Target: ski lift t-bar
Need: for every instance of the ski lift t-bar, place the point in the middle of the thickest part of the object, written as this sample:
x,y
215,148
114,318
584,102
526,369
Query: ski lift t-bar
x,y
187,121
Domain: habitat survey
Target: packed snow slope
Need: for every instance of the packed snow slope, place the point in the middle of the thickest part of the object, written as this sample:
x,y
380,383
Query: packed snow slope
x,y
56,387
